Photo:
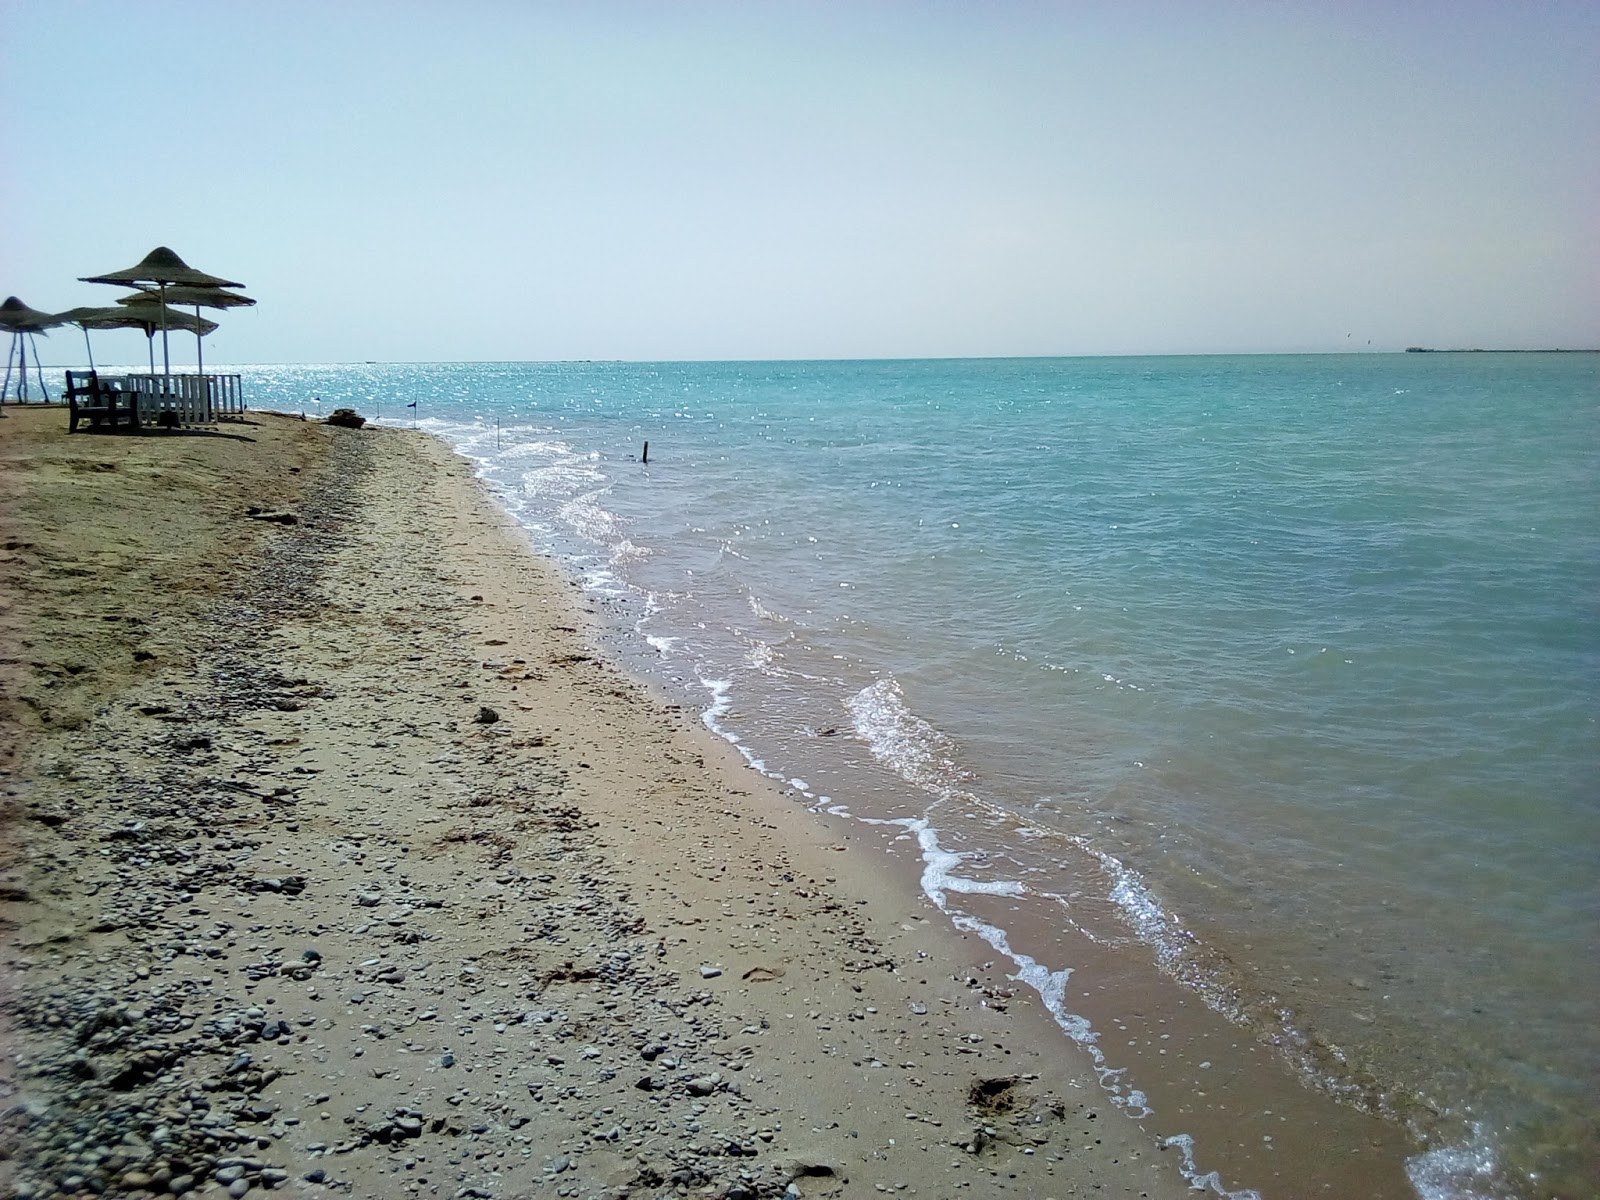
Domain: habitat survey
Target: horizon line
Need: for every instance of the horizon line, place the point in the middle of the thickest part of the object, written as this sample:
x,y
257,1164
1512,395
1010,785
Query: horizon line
x,y
889,358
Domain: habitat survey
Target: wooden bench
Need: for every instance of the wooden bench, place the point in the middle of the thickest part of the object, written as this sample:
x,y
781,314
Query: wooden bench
x,y
91,399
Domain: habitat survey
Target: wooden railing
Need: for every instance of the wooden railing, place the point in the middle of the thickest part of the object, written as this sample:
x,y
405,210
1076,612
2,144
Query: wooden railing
x,y
227,397
183,399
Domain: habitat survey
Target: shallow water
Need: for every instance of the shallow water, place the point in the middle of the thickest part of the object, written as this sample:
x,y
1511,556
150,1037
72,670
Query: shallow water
x,y
1287,664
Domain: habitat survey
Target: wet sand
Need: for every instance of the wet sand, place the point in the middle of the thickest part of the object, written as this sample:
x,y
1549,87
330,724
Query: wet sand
x,y
338,855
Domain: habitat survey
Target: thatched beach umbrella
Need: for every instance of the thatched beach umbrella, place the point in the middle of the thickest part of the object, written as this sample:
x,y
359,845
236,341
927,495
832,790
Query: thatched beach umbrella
x,y
22,322
143,317
17,317
164,269
199,297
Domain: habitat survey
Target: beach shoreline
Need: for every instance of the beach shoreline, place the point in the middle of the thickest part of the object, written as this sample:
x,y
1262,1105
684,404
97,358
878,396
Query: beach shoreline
x,y
366,863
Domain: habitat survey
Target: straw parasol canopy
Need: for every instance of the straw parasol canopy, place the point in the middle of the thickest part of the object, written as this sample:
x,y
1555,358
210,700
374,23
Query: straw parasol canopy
x,y
164,269
21,322
135,318
200,297
17,317
144,317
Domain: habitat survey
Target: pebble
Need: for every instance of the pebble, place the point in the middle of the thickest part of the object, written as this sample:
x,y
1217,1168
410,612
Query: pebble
x,y
204,1103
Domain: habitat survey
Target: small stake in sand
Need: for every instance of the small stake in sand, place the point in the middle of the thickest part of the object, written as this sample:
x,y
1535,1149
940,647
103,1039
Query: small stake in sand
x,y
645,457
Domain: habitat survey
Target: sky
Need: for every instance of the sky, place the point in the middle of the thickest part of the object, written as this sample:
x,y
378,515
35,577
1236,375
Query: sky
x,y
473,180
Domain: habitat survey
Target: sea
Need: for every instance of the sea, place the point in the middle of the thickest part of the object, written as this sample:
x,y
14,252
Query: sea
x,y
1276,676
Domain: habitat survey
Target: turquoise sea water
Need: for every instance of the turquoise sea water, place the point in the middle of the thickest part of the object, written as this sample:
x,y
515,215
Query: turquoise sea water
x,y
1281,668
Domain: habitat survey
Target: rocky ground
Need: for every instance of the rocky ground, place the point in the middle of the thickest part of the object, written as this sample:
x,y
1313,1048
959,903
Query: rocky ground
x,y
374,876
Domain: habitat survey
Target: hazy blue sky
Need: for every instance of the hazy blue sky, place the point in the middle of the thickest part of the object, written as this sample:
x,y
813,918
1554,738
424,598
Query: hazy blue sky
x,y
475,180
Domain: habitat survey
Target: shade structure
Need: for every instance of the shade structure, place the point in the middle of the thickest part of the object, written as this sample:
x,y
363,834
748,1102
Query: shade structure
x,y
200,297
143,317
136,318
17,317
21,322
164,269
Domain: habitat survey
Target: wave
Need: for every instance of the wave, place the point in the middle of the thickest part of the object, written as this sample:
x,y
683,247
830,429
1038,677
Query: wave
x,y
927,758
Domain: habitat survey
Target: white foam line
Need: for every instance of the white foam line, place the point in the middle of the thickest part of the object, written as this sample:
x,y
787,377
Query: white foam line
x,y
1210,1180
938,878
938,882
721,703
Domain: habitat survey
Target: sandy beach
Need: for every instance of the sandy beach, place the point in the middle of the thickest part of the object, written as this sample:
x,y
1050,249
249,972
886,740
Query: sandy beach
x,y
340,856
337,857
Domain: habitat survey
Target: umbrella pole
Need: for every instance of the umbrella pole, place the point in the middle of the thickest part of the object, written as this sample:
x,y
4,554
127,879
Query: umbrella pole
x,y
38,369
199,354
150,348
88,349
166,353
11,352
22,362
